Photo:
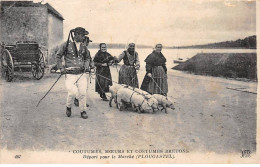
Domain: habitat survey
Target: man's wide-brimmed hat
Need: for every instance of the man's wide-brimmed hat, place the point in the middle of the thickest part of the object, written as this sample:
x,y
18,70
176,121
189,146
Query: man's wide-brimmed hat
x,y
80,30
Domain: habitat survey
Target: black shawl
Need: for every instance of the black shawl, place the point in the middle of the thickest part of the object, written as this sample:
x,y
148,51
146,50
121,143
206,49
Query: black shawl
x,y
102,57
155,59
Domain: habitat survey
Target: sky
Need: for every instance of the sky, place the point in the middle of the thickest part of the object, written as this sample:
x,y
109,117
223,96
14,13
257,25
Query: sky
x,y
170,22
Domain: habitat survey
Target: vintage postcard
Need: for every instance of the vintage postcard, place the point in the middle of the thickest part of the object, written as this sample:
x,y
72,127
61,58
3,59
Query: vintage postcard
x,y
129,81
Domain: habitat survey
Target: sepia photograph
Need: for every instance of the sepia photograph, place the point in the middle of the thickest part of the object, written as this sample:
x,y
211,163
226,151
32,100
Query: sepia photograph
x,y
129,81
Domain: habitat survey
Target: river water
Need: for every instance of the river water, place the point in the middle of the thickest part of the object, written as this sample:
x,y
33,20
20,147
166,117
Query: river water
x,y
174,54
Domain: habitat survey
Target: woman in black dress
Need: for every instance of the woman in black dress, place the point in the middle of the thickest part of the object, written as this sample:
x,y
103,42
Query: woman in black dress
x,y
155,80
102,61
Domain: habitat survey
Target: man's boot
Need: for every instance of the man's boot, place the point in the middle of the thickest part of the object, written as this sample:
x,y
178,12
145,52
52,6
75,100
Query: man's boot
x,y
68,111
84,115
76,102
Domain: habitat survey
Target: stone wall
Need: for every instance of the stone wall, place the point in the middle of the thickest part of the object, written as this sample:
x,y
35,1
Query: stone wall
x,y
24,24
55,36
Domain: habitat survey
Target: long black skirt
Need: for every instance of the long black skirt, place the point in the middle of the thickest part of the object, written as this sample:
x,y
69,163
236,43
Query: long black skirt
x,y
159,83
103,79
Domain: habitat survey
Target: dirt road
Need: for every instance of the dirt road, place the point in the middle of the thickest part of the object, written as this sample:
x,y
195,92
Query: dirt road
x,y
208,117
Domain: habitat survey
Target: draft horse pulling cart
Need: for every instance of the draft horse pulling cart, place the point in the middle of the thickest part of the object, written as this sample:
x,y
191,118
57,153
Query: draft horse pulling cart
x,y
23,55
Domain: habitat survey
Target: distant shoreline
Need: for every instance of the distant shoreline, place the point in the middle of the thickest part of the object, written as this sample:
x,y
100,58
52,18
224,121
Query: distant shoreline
x,y
246,43
215,48
149,47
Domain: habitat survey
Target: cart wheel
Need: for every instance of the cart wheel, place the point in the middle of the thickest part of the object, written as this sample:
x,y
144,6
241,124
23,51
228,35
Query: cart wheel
x,y
7,65
38,68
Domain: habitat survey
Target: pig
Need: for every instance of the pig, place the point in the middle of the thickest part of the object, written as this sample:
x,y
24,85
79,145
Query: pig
x,y
113,90
164,101
137,101
151,100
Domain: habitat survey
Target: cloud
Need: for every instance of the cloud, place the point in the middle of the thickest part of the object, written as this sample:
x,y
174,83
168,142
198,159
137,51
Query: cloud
x,y
169,21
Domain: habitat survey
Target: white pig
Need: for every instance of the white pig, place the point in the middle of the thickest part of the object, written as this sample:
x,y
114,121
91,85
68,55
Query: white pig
x,y
113,90
151,100
164,101
138,101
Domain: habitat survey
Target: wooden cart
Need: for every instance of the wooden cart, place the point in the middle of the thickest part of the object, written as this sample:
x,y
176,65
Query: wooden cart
x,y
22,55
